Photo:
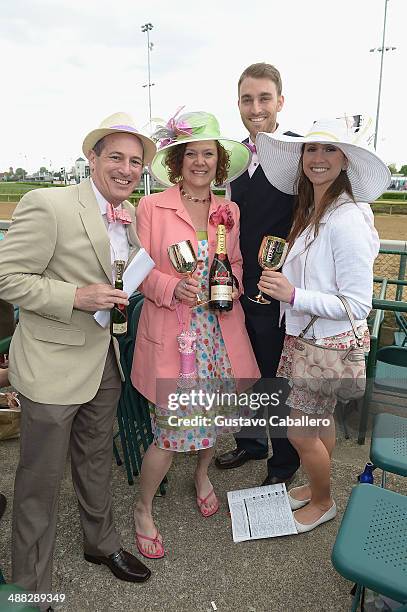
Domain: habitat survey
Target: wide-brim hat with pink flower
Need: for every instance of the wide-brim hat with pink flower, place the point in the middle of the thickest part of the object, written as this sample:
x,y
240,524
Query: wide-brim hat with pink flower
x,y
195,127
116,123
280,155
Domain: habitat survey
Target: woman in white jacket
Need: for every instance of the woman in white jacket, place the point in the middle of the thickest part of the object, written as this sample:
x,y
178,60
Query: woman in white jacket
x,y
332,246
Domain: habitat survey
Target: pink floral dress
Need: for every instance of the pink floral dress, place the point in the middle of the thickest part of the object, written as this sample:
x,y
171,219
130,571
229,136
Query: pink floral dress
x,y
214,373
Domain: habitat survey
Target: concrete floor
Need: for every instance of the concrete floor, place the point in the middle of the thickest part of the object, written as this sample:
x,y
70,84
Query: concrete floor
x,y
203,565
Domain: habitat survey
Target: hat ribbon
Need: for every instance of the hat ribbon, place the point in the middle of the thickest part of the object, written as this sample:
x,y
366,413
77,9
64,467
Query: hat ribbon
x,y
325,134
123,127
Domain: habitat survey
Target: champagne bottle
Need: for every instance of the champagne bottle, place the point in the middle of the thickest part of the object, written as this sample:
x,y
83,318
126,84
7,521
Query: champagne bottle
x,y
118,315
220,275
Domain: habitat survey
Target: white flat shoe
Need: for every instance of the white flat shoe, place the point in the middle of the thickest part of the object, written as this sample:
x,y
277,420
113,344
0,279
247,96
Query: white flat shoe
x,y
328,516
296,504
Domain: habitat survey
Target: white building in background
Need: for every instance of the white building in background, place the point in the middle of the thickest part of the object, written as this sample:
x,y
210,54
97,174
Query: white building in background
x,y
399,182
81,169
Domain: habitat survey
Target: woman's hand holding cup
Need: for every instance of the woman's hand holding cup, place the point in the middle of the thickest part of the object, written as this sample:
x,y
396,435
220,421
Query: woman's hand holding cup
x,y
186,290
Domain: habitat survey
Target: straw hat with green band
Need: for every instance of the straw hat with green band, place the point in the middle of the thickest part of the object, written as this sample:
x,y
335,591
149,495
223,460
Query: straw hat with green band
x,y
195,127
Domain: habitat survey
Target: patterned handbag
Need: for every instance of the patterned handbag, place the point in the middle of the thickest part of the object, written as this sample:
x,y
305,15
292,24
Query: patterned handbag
x,y
330,371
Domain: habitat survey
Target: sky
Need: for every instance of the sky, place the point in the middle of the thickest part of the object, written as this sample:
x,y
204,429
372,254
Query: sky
x,y
67,64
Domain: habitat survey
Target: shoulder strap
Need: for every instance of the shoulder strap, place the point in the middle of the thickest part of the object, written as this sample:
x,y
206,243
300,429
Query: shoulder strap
x,y
348,311
345,303
304,331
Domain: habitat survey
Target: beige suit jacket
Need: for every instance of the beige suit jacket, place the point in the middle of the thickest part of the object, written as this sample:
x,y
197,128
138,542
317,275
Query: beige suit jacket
x,y
57,242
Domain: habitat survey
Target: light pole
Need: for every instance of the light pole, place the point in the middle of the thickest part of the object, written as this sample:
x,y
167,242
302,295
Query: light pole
x,y
146,28
381,50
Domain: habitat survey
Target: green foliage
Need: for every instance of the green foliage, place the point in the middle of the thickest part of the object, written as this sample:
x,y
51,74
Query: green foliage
x,y
394,195
403,170
392,168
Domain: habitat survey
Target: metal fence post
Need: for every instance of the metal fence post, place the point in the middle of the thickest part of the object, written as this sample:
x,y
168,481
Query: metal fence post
x,y
401,276
147,182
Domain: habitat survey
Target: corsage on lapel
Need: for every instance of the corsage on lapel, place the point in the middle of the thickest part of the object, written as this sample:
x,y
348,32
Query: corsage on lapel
x,y
222,216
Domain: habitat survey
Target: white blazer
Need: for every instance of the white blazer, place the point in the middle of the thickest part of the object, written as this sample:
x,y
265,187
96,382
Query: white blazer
x,y
339,260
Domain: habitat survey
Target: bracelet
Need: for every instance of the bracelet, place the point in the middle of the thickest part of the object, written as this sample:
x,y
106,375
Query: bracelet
x,y
292,299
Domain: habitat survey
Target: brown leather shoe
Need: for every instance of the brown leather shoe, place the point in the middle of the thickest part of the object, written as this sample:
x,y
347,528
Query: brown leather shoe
x,y
235,458
272,480
123,565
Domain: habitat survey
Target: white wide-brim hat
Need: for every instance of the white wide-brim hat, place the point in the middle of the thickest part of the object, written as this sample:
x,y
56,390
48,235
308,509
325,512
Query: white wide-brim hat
x,y
279,157
116,123
194,127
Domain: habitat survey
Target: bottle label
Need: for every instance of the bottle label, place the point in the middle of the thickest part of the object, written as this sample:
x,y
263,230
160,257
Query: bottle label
x,y
221,275
221,240
221,293
119,328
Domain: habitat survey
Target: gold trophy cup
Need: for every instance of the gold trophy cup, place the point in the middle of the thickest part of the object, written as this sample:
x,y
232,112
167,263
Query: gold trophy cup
x,y
184,260
272,253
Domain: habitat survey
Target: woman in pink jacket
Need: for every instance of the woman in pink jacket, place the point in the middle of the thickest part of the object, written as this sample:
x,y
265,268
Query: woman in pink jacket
x,y
192,156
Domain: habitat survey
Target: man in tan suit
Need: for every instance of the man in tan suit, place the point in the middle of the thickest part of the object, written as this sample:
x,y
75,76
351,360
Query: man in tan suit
x,y
56,264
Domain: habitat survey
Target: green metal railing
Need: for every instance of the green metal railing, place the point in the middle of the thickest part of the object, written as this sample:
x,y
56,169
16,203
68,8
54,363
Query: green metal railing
x,y
4,345
380,304
399,248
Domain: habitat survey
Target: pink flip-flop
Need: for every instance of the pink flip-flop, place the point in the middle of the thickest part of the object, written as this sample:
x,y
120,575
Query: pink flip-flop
x,y
201,501
159,546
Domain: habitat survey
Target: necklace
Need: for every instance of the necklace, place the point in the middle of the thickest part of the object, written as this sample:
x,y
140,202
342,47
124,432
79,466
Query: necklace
x,y
192,199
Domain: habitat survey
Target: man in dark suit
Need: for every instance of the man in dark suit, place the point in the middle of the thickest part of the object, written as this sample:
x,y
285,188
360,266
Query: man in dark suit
x,y
263,210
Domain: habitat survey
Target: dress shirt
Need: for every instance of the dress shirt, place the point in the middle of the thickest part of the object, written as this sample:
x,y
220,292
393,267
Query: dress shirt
x,y
119,245
253,163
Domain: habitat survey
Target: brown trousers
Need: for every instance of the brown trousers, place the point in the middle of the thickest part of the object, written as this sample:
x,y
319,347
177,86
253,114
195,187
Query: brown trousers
x,y
47,431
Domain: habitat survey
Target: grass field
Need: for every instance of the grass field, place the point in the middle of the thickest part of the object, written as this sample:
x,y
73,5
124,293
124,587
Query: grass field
x,y
20,188
13,192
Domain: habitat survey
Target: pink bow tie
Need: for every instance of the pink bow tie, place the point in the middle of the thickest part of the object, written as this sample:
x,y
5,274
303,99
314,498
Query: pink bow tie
x,y
117,215
251,147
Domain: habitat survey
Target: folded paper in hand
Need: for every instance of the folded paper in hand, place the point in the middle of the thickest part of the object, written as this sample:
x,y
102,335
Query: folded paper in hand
x,y
137,270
